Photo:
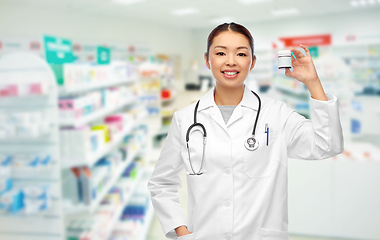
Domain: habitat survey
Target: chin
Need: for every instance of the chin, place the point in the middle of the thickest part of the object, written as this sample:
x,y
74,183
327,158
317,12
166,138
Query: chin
x,y
230,84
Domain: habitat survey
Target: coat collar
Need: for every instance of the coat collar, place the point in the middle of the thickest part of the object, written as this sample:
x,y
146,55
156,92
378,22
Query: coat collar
x,y
249,100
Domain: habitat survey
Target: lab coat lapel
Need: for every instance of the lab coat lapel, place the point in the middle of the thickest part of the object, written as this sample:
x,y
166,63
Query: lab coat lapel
x,y
248,100
236,115
216,115
207,103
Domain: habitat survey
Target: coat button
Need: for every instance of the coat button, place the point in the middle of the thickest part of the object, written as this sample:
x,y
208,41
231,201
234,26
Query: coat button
x,y
228,237
227,171
227,203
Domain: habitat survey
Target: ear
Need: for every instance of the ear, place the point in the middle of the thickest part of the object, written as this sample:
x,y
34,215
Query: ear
x,y
253,63
207,61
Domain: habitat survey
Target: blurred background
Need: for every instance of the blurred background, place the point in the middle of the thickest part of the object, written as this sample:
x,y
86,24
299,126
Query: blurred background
x,y
88,89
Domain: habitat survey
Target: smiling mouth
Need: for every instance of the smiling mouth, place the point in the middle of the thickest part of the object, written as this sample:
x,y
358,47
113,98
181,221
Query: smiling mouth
x,y
230,73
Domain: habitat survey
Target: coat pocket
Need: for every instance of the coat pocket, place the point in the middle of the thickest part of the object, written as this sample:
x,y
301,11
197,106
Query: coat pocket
x,y
270,234
262,161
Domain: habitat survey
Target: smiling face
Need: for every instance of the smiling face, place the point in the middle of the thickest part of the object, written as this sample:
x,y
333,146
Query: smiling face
x,y
230,59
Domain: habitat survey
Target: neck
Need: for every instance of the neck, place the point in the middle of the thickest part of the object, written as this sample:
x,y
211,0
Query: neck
x,y
228,96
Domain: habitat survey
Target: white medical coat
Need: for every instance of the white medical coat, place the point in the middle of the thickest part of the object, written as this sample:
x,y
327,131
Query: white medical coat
x,y
242,194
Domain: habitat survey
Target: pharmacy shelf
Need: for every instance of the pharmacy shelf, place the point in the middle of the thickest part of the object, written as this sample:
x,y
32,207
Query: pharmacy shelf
x,y
115,176
172,97
165,113
33,102
90,161
165,100
147,221
120,208
20,69
163,130
298,104
96,115
292,90
86,87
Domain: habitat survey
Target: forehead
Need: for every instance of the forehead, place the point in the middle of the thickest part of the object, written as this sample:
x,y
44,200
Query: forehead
x,y
231,39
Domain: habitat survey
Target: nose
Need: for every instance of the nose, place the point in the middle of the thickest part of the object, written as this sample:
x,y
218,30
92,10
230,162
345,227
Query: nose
x,y
231,60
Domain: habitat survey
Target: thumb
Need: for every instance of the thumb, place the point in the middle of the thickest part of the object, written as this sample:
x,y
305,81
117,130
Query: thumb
x,y
288,72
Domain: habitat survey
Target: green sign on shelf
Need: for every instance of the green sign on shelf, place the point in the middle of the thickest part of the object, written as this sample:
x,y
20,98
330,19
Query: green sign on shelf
x,y
104,55
58,50
314,51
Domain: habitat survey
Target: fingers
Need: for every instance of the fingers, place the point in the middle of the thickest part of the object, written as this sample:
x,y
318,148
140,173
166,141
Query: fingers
x,y
306,50
293,58
297,53
288,72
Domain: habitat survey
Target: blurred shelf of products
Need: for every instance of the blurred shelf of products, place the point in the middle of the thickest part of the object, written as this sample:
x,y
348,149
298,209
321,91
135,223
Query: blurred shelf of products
x,y
30,196
158,92
73,150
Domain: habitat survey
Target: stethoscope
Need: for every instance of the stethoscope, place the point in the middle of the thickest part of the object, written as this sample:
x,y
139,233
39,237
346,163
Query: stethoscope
x,y
250,144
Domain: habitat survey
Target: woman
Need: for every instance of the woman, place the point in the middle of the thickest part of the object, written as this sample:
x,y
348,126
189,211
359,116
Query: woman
x,y
237,184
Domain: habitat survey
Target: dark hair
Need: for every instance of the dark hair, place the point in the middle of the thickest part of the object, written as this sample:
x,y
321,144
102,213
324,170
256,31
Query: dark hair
x,y
229,27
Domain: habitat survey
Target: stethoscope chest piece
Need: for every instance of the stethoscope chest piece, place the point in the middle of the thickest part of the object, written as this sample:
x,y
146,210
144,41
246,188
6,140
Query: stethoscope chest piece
x,y
251,143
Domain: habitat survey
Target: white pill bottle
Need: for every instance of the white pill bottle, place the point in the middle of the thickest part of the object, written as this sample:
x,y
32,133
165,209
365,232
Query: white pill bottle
x,y
284,59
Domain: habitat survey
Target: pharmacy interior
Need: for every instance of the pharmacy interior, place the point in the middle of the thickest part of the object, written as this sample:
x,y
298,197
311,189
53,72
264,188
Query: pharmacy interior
x,y
88,90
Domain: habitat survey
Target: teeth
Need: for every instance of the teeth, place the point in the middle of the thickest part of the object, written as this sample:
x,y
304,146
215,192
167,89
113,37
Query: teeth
x,y
230,73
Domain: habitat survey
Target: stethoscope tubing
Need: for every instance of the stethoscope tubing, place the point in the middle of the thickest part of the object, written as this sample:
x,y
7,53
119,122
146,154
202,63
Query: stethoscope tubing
x,y
258,112
203,153
205,133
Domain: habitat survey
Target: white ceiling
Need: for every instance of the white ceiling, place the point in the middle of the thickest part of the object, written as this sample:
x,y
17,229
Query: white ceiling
x,y
159,11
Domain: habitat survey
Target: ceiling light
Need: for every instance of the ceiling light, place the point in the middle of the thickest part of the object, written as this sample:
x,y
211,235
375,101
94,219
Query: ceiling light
x,y
371,2
285,11
354,3
221,20
128,2
253,1
185,11
363,2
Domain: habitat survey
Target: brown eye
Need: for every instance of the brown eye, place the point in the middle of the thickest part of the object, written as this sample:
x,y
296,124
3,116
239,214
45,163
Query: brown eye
x,y
220,53
242,54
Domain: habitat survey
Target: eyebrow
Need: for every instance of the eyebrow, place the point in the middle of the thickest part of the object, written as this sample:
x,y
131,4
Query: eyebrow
x,y
242,47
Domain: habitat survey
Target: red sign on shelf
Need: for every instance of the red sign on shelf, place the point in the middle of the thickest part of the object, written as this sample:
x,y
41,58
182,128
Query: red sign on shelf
x,y
351,38
77,47
315,40
35,45
132,49
165,94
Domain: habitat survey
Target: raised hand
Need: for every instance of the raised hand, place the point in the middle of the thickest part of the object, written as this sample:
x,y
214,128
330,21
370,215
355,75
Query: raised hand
x,y
303,68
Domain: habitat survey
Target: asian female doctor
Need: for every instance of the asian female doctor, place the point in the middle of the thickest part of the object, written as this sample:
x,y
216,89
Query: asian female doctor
x,y
234,144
